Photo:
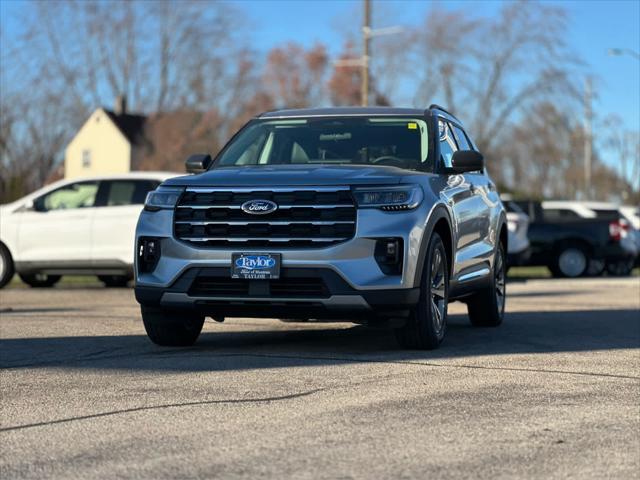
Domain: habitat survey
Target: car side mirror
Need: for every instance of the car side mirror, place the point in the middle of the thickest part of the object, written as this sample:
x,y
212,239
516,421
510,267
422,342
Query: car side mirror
x,y
198,163
467,161
36,205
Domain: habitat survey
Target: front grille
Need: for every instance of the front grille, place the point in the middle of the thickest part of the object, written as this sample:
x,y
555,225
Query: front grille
x,y
311,287
306,217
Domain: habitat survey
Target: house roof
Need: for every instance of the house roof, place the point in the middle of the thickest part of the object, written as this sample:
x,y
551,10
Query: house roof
x,y
130,125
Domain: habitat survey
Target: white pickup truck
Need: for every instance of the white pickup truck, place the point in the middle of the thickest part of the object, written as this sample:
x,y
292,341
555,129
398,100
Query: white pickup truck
x,y
75,227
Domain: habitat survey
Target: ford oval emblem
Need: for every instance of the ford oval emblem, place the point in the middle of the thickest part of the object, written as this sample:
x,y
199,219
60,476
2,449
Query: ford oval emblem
x,y
259,207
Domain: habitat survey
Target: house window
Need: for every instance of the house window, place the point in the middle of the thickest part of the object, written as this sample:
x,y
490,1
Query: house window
x,y
86,159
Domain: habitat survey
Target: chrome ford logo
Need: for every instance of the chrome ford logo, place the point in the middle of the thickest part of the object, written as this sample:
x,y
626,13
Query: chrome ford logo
x,y
259,207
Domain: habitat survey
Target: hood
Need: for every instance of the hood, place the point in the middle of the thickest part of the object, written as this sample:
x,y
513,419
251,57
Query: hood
x,y
294,175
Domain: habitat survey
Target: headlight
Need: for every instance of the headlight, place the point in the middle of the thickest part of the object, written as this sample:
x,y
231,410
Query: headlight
x,y
163,197
399,197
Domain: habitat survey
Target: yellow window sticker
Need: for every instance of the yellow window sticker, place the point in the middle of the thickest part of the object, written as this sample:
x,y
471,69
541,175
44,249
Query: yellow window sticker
x,y
412,126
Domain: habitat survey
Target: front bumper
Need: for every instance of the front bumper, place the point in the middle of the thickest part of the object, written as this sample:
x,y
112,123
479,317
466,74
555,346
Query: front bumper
x,y
352,260
300,293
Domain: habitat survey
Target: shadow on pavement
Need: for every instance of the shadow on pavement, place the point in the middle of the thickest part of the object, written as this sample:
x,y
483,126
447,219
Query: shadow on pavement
x,y
295,345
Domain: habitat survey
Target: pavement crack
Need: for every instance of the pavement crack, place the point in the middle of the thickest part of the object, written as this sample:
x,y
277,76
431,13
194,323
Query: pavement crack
x,y
431,364
159,407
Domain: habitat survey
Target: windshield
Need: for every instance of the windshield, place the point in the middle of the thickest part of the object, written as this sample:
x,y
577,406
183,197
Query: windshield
x,y
400,142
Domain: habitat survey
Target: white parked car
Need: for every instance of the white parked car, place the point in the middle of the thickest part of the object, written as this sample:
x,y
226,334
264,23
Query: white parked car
x,y
518,247
75,227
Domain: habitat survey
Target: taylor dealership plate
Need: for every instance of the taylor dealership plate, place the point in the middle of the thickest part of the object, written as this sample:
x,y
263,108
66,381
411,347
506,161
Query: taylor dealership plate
x,y
255,266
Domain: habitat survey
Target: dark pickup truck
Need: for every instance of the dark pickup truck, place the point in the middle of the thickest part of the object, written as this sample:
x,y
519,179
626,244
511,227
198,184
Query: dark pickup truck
x,y
574,247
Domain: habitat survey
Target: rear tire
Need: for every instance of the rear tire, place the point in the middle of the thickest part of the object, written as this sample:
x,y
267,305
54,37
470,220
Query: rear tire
x,y
572,261
427,323
622,268
486,308
40,280
114,281
7,269
172,328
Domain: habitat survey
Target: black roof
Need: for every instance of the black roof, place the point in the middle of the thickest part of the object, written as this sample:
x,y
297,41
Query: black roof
x,y
130,125
342,111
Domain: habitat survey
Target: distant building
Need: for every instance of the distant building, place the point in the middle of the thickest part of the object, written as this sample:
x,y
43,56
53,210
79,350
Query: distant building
x,y
107,143
114,141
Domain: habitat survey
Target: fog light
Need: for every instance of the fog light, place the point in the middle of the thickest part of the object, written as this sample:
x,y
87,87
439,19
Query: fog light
x,y
388,255
148,253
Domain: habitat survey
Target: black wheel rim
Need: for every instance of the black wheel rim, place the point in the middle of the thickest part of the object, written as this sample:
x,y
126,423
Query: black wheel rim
x,y
437,294
500,281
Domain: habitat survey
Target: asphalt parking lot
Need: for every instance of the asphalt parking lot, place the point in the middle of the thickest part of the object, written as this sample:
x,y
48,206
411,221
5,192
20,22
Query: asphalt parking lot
x,y
554,393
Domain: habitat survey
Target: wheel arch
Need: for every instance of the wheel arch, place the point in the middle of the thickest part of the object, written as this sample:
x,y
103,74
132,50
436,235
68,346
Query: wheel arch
x,y
503,235
439,222
560,244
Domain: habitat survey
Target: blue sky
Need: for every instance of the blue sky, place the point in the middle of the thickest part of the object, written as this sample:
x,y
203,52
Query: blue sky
x,y
594,26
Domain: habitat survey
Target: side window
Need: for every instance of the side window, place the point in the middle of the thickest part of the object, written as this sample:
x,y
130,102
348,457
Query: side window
x,y
128,192
461,139
447,143
74,195
559,214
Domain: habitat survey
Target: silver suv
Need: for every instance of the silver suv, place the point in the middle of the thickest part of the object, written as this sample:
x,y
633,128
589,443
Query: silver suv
x,y
358,214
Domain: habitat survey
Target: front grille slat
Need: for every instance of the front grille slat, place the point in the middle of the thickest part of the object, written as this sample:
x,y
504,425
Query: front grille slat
x,y
280,288
305,218
280,207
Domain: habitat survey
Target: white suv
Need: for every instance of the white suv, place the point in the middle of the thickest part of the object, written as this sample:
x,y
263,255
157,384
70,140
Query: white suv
x,y
81,226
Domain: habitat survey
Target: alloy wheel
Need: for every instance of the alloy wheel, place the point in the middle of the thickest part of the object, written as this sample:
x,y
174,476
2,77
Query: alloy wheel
x,y
437,291
572,262
500,280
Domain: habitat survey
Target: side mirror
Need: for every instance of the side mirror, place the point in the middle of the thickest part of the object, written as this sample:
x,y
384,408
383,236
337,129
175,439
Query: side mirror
x,y
198,163
28,206
467,161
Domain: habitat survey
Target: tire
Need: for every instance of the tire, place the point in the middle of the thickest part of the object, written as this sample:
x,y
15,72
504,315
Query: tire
x,y
7,269
40,280
572,261
596,268
622,268
172,328
427,323
486,308
114,281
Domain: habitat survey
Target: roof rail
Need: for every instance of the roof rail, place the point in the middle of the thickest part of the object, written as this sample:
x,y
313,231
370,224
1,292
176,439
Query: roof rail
x,y
438,107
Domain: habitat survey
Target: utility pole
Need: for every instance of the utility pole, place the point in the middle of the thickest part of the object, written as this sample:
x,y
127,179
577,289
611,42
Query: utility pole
x,y
363,62
366,45
588,139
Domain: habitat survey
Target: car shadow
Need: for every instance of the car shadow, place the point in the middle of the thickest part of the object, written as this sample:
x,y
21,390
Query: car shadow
x,y
222,349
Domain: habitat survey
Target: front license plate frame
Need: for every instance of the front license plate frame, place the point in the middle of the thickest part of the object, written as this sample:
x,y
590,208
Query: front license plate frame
x,y
256,266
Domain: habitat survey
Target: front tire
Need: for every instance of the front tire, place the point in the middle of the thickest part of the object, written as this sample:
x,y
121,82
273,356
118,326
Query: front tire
x,y
40,280
427,323
172,328
6,266
486,308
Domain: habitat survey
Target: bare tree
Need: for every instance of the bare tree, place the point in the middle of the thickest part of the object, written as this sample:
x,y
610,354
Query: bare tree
x,y
72,56
293,77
